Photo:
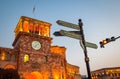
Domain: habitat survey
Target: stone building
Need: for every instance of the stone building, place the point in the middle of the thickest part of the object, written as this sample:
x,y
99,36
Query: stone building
x,y
106,73
32,54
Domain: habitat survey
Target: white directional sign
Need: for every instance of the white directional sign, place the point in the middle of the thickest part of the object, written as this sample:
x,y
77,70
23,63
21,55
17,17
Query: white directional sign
x,y
67,24
77,36
70,34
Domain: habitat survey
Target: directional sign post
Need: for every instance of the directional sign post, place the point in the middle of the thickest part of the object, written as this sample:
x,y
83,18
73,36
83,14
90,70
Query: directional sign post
x,y
84,49
77,35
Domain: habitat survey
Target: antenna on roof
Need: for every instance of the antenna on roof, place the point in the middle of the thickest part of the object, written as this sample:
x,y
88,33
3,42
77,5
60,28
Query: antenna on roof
x,y
33,9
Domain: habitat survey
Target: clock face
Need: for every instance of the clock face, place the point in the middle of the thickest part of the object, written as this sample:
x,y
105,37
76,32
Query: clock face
x,y
36,45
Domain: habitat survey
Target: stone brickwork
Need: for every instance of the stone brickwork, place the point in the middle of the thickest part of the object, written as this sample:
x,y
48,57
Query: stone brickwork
x,y
106,73
47,62
8,57
24,40
73,71
44,60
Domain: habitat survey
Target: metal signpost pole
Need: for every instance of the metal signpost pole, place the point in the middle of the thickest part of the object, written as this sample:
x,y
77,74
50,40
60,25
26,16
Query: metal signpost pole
x,y
85,49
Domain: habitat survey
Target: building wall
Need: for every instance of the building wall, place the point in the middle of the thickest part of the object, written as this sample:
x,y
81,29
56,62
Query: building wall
x,y
50,63
106,73
47,62
8,58
73,72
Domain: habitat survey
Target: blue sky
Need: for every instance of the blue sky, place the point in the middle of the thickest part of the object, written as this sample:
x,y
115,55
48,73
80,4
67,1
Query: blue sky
x,y
101,19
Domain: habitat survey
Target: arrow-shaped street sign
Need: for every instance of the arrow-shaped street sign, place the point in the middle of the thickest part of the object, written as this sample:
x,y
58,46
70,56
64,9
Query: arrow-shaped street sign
x,y
70,34
75,35
91,45
67,24
57,33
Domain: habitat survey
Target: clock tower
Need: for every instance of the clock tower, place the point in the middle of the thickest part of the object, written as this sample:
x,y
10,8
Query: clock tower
x,y
33,41
32,54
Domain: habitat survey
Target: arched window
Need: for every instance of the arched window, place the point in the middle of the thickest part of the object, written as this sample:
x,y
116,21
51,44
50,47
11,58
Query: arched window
x,y
25,26
41,30
36,28
46,31
31,28
9,66
8,57
13,58
35,75
26,58
44,59
3,55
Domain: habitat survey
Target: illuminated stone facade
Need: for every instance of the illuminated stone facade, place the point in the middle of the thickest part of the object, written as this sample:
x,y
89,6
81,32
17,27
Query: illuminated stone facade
x,y
106,73
33,56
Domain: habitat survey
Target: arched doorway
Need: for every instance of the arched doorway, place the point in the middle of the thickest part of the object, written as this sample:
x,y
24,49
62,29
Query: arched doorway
x,y
10,72
35,75
9,66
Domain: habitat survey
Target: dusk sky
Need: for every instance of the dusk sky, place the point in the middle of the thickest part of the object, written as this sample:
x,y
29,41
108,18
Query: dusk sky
x,y
101,20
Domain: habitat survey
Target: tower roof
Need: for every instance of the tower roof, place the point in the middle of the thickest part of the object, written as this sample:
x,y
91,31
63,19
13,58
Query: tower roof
x,y
30,25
